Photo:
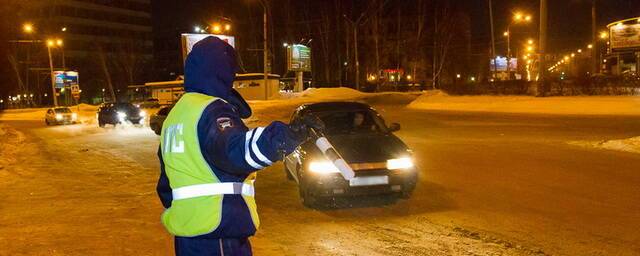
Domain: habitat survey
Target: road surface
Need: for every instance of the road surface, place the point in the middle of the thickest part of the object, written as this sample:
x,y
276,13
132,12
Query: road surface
x,y
490,184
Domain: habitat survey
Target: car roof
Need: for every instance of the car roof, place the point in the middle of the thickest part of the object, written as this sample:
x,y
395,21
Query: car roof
x,y
333,106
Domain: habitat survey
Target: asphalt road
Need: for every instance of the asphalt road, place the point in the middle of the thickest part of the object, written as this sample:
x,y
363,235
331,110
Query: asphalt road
x,y
490,184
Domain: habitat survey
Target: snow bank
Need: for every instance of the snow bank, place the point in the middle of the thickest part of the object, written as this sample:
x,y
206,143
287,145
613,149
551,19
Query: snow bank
x,y
578,105
627,145
11,142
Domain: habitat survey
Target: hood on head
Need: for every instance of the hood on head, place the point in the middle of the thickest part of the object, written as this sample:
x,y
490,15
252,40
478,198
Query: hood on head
x,y
210,69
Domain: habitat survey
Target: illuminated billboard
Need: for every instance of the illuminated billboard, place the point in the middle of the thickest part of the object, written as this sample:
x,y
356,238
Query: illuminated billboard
x,y
65,78
502,64
298,58
188,40
623,36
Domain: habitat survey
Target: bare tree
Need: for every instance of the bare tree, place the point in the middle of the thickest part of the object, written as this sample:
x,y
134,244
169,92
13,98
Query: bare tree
x,y
14,65
130,60
445,23
420,24
105,68
324,29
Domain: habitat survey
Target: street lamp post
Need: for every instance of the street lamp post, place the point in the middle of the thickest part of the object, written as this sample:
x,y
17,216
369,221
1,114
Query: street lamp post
x,y
516,18
50,44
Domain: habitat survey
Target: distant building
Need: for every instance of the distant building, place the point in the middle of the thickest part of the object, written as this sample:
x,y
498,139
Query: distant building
x,y
116,33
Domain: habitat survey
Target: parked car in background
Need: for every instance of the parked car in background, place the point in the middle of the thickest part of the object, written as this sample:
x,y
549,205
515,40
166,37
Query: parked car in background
x,y
156,120
117,113
382,163
62,115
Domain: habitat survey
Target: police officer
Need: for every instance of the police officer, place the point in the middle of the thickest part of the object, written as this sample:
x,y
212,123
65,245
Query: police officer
x,y
209,158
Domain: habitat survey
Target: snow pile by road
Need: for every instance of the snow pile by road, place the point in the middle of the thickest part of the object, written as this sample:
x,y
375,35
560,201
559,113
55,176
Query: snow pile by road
x,y
578,105
631,145
11,142
281,109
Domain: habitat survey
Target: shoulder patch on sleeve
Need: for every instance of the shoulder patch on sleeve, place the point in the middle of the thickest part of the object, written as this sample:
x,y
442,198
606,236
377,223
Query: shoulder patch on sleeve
x,y
224,123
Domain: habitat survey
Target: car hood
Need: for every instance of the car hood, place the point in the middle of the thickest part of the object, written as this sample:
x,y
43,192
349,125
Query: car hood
x,y
366,148
129,111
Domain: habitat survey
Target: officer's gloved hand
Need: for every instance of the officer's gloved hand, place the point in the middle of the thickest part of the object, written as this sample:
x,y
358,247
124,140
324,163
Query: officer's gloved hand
x,y
301,127
313,122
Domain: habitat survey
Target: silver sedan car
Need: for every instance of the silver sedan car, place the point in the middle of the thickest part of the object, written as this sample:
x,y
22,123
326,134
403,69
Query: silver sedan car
x,y
61,115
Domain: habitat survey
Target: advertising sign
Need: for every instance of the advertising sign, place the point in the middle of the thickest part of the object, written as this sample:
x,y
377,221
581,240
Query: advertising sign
x,y
70,78
65,78
188,40
59,79
298,58
502,64
624,36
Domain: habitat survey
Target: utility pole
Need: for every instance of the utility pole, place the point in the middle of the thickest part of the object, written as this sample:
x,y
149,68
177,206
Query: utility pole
x,y
53,79
542,83
594,40
265,52
493,43
355,25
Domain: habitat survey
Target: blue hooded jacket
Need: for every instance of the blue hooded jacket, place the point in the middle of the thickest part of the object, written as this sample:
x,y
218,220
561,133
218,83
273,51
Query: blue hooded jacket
x,y
210,69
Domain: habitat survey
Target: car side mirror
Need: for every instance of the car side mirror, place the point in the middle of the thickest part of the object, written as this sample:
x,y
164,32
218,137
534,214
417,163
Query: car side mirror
x,y
394,127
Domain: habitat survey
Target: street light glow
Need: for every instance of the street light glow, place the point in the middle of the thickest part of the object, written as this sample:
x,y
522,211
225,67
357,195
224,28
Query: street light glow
x,y
604,35
505,33
517,16
64,29
530,41
216,28
27,28
285,44
50,43
579,50
590,46
59,42
197,29
227,27
528,18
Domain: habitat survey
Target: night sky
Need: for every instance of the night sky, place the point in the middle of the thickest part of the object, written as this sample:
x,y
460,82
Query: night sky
x,y
569,23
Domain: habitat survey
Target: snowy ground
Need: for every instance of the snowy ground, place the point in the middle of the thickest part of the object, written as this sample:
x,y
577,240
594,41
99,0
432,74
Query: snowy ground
x,y
490,184
579,105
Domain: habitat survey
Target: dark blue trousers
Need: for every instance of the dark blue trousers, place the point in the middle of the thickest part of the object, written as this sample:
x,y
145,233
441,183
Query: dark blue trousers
x,y
193,246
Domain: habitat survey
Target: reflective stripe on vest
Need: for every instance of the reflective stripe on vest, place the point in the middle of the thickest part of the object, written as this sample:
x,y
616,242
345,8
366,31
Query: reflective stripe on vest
x,y
196,208
210,189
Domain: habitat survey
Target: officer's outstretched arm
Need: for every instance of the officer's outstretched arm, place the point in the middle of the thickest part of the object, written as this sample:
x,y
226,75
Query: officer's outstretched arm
x,y
232,147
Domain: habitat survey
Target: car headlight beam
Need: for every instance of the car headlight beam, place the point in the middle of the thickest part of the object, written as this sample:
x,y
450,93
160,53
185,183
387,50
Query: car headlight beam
x,y
58,117
74,116
399,163
323,167
122,116
143,113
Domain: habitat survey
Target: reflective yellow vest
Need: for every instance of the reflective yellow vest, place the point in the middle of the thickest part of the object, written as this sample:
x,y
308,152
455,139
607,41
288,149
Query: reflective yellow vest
x,y
196,208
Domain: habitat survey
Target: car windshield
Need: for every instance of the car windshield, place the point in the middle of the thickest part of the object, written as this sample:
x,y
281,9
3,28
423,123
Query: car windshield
x,y
359,121
63,110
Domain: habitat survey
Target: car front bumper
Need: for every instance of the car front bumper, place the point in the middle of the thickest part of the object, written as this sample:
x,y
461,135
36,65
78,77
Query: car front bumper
x,y
332,185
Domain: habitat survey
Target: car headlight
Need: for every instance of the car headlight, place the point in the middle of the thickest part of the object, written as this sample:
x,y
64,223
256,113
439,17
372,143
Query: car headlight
x,y
143,113
122,116
400,163
74,116
323,167
58,116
